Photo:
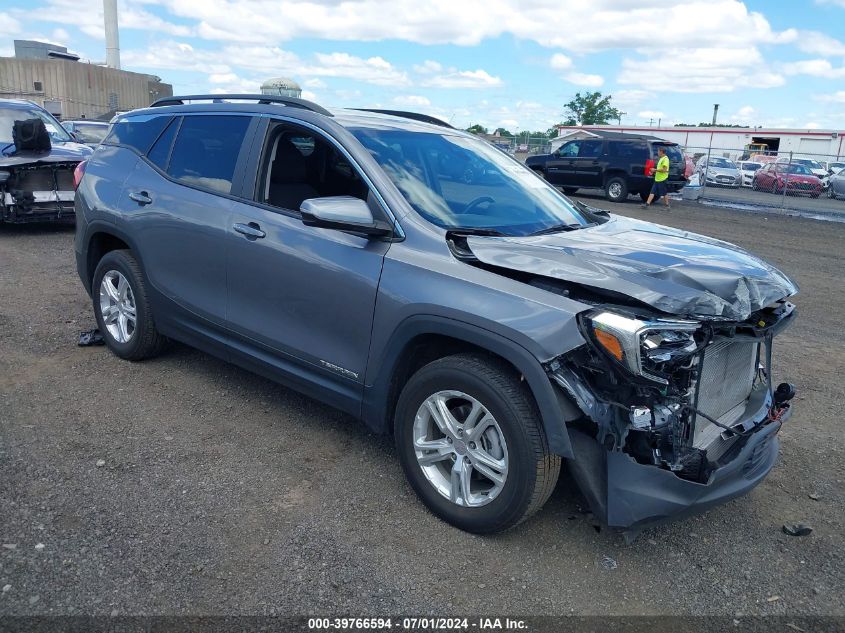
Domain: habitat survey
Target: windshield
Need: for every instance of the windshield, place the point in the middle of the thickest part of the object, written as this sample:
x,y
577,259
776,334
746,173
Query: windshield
x,y
807,163
459,182
798,169
722,162
751,166
88,133
8,116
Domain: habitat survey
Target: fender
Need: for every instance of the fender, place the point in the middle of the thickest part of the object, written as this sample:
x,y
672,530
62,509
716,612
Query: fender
x,y
85,270
374,410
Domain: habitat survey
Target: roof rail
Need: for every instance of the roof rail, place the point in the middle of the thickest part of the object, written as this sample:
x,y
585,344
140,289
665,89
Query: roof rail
x,y
416,116
292,102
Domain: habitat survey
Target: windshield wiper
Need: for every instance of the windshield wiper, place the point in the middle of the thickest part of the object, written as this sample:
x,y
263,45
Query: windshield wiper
x,y
476,230
560,228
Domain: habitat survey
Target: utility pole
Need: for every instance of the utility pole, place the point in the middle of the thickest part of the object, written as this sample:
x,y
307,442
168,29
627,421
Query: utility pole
x,y
715,112
651,122
620,117
658,121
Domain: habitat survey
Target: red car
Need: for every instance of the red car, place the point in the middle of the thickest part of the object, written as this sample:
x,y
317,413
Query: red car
x,y
689,166
795,179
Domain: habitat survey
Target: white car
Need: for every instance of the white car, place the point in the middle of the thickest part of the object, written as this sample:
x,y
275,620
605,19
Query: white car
x,y
747,168
813,165
834,167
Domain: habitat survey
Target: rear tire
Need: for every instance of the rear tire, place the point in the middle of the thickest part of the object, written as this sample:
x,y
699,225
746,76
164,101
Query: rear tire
x,y
527,472
122,308
570,190
616,189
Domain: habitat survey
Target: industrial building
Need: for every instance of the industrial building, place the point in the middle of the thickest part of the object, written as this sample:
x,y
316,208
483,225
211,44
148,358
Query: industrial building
x,y
728,141
72,89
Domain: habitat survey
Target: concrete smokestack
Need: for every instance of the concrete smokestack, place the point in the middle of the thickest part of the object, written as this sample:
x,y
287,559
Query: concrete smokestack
x,y
112,37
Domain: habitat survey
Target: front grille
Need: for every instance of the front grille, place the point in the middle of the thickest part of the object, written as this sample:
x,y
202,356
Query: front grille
x,y
727,377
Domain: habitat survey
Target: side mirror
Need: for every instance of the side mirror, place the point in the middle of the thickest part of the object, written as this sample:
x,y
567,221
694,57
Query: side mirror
x,y
343,213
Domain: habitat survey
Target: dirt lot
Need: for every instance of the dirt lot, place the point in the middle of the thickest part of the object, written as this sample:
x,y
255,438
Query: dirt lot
x,y
222,492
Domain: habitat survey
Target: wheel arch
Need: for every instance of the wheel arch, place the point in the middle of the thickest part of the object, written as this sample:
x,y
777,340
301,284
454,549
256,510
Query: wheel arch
x,y
102,238
423,339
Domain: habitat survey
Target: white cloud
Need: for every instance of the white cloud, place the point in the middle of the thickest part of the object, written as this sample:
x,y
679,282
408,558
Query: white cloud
x,y
265,60
651,114
415,101
746,115
222,78
817,43
314,83
836,97
428,67
584,79
699,70
815,68
559,61
9,25
454,78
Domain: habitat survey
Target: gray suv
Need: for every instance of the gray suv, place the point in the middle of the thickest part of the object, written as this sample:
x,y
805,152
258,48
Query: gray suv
x,y
493,326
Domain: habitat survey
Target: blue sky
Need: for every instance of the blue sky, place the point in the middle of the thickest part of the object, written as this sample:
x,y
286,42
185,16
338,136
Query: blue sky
x,y
496,62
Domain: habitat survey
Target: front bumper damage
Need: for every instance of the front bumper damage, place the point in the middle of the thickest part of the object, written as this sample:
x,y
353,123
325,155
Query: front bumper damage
x,y
38,192
638,470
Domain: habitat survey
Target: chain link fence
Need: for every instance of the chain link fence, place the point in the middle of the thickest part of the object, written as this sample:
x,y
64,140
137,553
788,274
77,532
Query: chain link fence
x,y
782,181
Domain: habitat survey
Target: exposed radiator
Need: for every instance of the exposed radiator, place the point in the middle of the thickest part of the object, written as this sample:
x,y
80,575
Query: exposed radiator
x,y
727,376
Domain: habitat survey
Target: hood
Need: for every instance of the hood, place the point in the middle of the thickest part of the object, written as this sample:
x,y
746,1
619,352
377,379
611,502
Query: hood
x,y
673,271
60,153
722,171
812,179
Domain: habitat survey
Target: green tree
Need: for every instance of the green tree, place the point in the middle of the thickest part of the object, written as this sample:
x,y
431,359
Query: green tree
x,y
502,132
591,108
477,128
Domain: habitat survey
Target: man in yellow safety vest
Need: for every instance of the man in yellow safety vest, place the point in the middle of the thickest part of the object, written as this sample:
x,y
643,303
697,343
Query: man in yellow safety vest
x,y
661,174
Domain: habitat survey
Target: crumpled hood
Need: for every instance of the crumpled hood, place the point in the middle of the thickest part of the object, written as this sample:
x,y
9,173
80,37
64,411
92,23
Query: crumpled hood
x,y
674,271
60,153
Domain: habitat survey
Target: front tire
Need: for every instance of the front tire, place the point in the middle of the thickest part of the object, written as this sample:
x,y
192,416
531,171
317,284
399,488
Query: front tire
x,y
470,441
570,190
122,308
616,189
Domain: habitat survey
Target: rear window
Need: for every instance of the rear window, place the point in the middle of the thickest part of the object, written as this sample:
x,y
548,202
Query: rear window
x,y
137,132
206,151
674,153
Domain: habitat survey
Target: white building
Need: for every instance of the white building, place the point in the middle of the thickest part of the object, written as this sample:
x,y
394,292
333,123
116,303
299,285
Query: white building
x,y
726,141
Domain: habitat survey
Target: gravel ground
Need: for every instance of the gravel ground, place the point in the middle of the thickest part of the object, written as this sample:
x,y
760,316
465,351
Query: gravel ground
x,y
184,485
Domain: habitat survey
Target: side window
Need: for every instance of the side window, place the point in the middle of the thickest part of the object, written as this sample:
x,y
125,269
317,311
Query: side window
x,y
570,149
138,132
629,151
160,152
300,164
206,150
590,149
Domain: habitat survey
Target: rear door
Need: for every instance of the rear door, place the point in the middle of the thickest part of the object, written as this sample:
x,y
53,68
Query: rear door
x,y
303,296
178,203
630,156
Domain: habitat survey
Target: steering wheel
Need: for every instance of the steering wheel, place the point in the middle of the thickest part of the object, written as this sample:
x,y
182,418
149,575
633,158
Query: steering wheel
x,y
478,201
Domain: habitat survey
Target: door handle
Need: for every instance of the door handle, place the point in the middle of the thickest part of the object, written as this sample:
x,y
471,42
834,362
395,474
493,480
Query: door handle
x,y
141,197
251,230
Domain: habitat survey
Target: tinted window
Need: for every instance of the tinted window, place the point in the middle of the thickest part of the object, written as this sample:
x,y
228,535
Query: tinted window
x,y
570,149
138,132
673,152
628,150
206,151
590,149
160,152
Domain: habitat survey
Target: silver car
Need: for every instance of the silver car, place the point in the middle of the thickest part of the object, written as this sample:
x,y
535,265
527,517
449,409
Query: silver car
x,y
836,185
718,171
747,169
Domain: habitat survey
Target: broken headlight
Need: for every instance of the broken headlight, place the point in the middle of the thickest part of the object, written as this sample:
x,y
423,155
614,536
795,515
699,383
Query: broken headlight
x,y
645,348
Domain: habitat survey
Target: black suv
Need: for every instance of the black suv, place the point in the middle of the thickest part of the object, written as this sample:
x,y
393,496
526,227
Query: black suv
x,y
615,163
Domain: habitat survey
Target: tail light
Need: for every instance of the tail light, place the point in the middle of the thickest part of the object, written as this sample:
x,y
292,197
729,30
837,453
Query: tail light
x,y
78,173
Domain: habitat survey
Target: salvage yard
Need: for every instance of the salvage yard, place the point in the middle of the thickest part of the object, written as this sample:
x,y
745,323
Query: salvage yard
x,y
184,485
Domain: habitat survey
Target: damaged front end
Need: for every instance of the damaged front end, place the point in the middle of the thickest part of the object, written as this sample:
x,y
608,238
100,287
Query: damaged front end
x,y
37,191
677,415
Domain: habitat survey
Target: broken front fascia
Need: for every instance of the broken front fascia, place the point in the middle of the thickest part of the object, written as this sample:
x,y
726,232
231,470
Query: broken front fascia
x,y
650,425
36,191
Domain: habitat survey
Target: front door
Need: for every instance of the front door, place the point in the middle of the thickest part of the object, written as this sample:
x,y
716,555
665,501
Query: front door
x,y
304,294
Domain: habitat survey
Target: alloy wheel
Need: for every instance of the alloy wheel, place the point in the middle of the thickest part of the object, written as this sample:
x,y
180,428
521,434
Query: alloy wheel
x,y
460,448
117,306
615,190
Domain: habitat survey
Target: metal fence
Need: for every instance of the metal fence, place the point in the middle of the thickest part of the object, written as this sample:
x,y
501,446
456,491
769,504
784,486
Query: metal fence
x,y
782,181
